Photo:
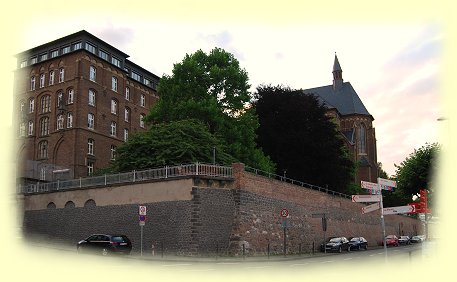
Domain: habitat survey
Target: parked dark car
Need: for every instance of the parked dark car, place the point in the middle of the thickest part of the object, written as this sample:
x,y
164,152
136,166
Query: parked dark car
x,y
357,243
105,244
417,239
392,240
404,240
336,244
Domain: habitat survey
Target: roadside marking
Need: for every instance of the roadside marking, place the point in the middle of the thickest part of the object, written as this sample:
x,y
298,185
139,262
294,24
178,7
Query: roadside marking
x,y
178,264
328,261
299,264
228,263
257,267
348,258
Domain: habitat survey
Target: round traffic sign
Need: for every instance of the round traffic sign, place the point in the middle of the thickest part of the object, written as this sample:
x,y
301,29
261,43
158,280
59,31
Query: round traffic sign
x,y
284,212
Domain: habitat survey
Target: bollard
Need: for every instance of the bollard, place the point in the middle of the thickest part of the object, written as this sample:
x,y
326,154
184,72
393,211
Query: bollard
x,y
244,251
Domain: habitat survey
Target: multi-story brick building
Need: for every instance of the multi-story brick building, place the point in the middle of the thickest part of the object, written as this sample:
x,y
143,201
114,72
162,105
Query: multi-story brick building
x,y
77,99
354,122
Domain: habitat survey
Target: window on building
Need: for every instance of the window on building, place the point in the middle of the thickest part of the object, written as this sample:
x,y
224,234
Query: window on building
x,y
44,126
42,79
66,50
77,45
22,106
70,96
126,134
23,64
362,138
90,168
142,116
114,83
32,83
127,114
59,102
43,150
69,120
61,75
143,100
92,73
114,106
146,81
43,57
31,105
30,128
127,93
113,131
45,104
54,53
51,77
136,76
43,172
102,54
90,146
22,129
60,122
113,152
34,60
90,120
116,62
91,97
90,48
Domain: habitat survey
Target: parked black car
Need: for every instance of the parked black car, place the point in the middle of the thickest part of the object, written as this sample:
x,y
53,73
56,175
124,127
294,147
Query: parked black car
x,y
404,240
105,244
417,239
337,244
357,243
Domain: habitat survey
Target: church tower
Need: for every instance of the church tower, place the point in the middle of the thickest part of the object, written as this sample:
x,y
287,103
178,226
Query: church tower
x,y
337,75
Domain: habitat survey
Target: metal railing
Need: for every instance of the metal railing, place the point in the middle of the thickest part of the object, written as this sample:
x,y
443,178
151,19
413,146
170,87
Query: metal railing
x,y
295,182
129,177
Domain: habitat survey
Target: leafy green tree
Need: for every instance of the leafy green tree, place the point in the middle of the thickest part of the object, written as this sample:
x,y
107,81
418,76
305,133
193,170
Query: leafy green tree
x,y
172,143
416,172
214,89
304,143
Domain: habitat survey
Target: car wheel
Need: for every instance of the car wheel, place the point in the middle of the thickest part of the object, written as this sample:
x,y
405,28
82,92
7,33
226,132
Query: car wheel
x,y
340,249
358,247
104,252
366,247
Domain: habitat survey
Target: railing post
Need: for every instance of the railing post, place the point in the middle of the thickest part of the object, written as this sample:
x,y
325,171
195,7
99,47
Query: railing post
x,y
166,171
134,172
80,182
105,179
196,168
58,184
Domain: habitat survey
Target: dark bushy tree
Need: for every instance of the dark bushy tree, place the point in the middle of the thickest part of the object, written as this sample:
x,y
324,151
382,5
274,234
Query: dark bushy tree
x,y
298,136
172,143
213,89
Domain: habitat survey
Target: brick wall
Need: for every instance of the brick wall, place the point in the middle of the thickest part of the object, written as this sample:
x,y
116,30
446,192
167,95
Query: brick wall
x,y
222,216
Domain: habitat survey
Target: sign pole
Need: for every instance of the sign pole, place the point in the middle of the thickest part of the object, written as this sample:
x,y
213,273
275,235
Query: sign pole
x,y
383,227
141,241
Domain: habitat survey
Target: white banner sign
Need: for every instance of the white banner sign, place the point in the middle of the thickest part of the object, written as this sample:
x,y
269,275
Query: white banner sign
x,y
371,208
387,182
369,185
366,198
397,210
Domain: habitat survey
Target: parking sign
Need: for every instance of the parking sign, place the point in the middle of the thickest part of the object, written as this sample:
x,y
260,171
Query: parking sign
x,y
142,210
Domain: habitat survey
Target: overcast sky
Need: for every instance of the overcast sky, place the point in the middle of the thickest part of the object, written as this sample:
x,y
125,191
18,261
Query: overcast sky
x,y
394,67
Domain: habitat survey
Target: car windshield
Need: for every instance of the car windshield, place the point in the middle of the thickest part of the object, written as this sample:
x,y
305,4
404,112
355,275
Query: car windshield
x,y
335,240
390,237
354,239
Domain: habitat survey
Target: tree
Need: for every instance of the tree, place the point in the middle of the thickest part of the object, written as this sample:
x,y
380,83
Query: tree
x,y
416,172
298,136
213,89
172,143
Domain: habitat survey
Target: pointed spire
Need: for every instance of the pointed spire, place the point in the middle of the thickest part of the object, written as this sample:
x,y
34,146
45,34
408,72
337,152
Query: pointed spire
x,y
337,75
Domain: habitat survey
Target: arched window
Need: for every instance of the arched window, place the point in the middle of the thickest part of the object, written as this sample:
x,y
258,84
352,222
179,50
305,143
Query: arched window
x,y
90,146
31,105
113,131
90,203
43,150
114,106
61,75
127,114
362,139
142,117
32,83
69,205
45,104
92,73
59,102
44,126
51,206
30,128
70,96
91,97
69,120
60,122
90,121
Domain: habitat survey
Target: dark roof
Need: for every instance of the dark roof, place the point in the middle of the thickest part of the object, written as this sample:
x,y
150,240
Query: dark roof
x,y
345,100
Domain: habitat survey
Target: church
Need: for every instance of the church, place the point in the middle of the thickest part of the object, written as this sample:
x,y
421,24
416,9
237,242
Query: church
x,y
353,121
